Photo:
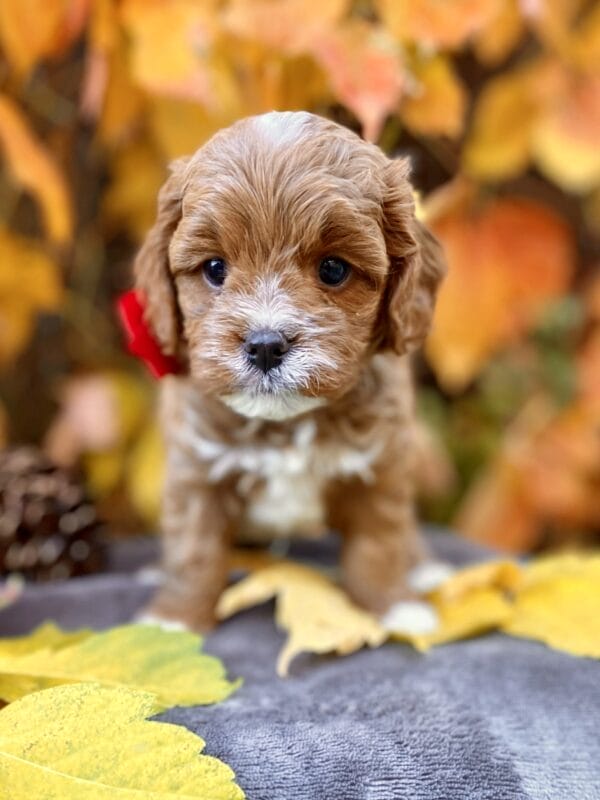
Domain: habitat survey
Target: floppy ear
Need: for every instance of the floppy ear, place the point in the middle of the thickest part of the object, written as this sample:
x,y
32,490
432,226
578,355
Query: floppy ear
x,y
151,271
417,265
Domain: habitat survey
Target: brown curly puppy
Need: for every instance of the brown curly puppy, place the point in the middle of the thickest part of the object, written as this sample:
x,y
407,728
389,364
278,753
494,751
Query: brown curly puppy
x,y
288,274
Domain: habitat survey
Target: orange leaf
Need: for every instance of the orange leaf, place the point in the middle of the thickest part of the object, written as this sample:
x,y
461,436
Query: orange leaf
x,y
288,25
365,71
34,168
436,104
436,23
506,260
31,30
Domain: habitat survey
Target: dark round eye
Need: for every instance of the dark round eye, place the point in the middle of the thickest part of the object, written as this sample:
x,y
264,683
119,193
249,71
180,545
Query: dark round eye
x,y
215,270
333,271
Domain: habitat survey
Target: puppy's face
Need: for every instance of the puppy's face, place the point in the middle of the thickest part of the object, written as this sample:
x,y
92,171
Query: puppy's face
x,y
284,255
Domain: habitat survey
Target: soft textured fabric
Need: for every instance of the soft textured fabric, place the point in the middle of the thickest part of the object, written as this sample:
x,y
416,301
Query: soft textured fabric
x,y
494,717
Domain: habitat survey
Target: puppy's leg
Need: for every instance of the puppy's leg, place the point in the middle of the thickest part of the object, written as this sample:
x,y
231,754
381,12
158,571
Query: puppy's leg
x,y
196,536
381,543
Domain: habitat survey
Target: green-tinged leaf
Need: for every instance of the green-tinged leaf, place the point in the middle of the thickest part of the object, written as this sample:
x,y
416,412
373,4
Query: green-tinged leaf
x,y
90,742
167,663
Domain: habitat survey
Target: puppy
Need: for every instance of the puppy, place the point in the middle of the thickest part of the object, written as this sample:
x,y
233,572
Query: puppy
x,y
287,273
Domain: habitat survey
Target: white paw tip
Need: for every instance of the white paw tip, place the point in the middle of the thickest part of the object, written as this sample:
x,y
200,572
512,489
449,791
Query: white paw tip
x,y
412,617
428,576
161,622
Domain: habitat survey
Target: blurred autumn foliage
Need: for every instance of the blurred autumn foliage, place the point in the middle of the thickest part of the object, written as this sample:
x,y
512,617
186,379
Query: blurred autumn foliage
x,y
498,104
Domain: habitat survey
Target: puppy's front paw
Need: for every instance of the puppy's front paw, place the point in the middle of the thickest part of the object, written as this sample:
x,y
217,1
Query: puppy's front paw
x,y
148,618
412,617
428,576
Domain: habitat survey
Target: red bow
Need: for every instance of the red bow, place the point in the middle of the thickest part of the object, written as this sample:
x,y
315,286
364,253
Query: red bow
x,y
140,339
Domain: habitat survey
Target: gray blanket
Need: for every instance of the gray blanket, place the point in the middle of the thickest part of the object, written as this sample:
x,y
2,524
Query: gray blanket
x,y
494,717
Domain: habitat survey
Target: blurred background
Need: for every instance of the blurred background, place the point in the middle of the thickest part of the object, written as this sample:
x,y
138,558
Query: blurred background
x,y
497,102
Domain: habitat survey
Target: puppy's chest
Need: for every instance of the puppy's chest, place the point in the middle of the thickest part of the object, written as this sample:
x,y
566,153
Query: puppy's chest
x,y
282,483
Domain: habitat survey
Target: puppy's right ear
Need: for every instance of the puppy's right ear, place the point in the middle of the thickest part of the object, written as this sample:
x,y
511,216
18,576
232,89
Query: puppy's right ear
x,y
151,271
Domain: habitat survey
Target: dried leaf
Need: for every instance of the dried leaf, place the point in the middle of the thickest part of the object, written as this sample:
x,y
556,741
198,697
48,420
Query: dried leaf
x,y
501,34
506,259
559,604
435,106
467,615
29,282
35,169
168,664
91,741
318,616
504,576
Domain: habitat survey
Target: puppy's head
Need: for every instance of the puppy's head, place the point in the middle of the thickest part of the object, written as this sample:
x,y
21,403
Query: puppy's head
x,y
286,253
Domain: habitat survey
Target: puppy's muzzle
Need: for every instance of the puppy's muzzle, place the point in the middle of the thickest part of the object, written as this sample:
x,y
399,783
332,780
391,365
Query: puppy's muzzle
x,y
266,349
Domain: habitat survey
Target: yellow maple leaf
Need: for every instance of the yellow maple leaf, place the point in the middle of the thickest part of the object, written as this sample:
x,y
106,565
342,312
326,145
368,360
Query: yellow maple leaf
x,y
47,636
29,282
435,105
34,168
91,741
318,616
559,604
501,34
505,576
168,664
144,473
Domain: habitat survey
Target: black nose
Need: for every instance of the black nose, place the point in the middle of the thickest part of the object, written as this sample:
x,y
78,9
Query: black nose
x,y
266,349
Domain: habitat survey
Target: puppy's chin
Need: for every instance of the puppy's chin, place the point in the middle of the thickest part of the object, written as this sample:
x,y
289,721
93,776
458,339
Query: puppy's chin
x,y
272,407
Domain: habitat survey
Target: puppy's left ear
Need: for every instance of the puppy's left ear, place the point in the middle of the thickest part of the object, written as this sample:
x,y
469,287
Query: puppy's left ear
x,y
417,265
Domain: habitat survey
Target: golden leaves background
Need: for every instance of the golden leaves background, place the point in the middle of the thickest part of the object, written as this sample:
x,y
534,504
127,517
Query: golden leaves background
x,y
496,101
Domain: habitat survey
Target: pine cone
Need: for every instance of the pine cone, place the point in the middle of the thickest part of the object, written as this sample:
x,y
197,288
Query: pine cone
x,y
49,529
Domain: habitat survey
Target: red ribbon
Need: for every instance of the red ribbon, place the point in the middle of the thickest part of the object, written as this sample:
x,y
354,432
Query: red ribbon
x,y
141,342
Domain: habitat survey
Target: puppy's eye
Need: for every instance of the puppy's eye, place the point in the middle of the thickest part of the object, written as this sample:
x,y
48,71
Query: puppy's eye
x,y
333,271
215,270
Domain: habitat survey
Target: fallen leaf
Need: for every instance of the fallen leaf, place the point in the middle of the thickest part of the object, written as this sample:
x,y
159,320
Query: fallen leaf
x,y
47,636
559,604
91,741
318,616
435,104
30,282
34,168
469,614
169,664
506,259
505,576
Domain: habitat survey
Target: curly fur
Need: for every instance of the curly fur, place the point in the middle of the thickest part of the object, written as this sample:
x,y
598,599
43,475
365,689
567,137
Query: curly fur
x,y
324,440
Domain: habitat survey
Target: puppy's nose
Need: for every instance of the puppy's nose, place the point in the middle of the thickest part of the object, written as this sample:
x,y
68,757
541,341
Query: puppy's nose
x,y
266,349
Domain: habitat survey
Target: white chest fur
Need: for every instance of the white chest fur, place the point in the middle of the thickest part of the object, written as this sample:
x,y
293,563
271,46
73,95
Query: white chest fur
x,y
283,486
